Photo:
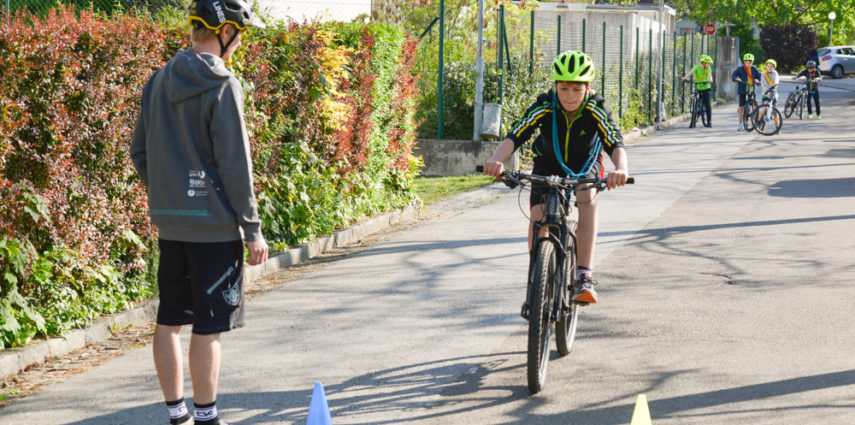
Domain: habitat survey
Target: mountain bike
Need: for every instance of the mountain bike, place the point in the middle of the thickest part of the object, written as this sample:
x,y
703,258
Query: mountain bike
x,y
552,271
767,118
750,106
698,109
796,99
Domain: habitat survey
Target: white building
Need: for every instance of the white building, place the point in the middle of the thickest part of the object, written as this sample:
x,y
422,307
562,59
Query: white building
x,y
326,10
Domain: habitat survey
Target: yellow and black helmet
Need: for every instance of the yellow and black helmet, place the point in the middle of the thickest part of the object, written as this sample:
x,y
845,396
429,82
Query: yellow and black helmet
x,y
214,14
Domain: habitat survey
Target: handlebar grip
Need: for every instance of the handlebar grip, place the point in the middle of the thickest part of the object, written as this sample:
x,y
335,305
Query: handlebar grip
x,y
630,180
479,168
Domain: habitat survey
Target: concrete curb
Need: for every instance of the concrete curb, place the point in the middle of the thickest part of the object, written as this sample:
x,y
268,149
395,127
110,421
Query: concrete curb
x,y
15,360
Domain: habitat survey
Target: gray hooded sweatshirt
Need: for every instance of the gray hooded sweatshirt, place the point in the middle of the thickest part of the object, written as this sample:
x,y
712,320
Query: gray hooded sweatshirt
x,y
191,150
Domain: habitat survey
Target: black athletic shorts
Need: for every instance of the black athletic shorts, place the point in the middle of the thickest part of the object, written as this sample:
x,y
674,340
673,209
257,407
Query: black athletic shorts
x,y
201,284
542,167
743,99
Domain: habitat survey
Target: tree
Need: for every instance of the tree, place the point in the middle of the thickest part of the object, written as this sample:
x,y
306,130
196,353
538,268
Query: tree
x,y
788,44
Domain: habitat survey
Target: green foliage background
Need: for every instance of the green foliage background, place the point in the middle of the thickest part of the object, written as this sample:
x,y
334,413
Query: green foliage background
x,y
330,108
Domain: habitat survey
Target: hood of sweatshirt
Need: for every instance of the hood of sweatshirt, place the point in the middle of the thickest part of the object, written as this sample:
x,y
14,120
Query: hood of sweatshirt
x,y
190,74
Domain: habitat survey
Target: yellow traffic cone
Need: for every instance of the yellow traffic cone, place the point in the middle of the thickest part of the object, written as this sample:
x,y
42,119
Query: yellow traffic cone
x,y
641,414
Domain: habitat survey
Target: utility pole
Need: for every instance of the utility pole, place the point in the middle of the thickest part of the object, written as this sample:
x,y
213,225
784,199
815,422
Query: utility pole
x,y
661,64
479,79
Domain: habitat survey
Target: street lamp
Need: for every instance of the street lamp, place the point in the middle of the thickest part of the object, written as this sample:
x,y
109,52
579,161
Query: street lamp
x,y
831,16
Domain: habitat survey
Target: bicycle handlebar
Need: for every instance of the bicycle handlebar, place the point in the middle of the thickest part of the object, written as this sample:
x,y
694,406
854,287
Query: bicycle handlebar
x,y
516,177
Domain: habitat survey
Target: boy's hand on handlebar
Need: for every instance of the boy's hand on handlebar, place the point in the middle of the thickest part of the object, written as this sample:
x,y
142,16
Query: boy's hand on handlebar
x,y
616,178
494,168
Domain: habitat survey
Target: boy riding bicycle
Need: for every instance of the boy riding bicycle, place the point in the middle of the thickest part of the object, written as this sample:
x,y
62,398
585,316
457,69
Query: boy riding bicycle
x,y
813,77
744,75
575,126
703,82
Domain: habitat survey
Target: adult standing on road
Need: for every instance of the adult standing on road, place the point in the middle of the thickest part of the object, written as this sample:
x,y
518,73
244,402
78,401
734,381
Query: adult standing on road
x,y
812,55
191,150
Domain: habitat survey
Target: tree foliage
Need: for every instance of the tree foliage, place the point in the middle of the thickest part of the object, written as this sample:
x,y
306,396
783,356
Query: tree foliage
x,y
788,44
774,12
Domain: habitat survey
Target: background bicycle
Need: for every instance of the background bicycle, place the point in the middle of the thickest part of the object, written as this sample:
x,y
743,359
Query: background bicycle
x,y
767,119
697,108
796,100
750,106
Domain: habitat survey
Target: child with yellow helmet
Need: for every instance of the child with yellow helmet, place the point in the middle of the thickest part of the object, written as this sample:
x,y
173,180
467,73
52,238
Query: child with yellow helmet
x,y
745,74
703,79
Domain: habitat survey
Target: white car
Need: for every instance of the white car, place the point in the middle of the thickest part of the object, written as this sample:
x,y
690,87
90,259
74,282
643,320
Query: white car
x,y
836,60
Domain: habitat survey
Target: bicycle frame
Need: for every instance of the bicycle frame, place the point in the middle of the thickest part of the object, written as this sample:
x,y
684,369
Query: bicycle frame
x,y
557,210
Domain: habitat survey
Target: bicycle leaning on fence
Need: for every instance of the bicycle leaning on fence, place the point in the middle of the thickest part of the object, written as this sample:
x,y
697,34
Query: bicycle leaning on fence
x,y
698,109
552,270
767,119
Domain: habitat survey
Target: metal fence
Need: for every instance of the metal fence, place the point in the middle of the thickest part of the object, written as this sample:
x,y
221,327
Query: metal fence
x,y
628,61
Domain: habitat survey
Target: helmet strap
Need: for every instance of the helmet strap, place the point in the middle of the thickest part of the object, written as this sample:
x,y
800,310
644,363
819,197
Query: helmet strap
x,y
224,47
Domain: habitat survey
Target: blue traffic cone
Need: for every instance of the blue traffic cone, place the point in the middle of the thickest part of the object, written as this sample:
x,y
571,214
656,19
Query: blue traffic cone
x,y
319,410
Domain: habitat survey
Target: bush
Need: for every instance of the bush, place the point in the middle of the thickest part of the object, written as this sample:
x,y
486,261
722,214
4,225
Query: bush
x,y
330,108
70,88
788,44
332,115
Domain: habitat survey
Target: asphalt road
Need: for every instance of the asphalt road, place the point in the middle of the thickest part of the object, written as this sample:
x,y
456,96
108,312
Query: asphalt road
x,y
725,277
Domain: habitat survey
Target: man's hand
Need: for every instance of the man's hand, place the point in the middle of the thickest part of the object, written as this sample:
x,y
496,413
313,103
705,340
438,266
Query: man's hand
x,y
616,178
257,252
494,168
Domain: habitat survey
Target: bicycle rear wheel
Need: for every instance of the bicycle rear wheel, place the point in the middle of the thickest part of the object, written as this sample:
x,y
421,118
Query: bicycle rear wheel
x,y
774,123
790,106
565,328
540,303
702,111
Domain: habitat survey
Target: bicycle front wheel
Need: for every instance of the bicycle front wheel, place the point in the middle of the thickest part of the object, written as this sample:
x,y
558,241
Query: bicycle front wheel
x,y
802,102
540,303
565,328
747,116
768,124
694,119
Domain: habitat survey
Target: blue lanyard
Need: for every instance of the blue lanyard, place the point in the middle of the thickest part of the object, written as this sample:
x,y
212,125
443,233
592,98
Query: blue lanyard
x,y
556,147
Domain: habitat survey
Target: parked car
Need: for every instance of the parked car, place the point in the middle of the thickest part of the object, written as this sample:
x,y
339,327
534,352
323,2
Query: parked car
x,y
837,60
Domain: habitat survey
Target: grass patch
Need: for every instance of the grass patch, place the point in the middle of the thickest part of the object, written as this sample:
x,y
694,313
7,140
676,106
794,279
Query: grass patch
x,y
433,189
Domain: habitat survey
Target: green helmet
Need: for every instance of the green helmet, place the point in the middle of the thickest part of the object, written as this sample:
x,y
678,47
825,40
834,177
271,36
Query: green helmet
x,y
748,57
706,58
573,66
773,62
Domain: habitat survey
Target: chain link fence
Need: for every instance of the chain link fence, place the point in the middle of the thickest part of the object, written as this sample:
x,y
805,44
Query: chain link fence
x,y
627,56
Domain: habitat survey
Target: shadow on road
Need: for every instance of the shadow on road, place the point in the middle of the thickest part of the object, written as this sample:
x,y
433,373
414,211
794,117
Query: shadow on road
x,y
434,390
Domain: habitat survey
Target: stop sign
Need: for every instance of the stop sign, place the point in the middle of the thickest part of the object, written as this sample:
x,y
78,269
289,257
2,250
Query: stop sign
x,y
709,29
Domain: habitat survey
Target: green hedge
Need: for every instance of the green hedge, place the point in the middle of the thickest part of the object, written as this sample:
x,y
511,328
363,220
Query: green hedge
x,y
330,110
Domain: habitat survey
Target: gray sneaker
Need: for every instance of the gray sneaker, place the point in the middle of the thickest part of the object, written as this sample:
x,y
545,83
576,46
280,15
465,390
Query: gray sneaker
x,y
585,292
740,128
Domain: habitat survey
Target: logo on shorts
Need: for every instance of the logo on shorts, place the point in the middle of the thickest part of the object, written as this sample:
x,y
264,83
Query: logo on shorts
x,y
232,295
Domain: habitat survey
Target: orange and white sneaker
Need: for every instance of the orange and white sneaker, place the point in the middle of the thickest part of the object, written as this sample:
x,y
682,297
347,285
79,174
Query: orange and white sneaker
x,y
584,290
